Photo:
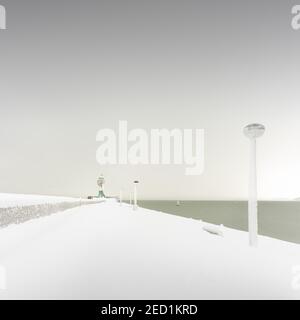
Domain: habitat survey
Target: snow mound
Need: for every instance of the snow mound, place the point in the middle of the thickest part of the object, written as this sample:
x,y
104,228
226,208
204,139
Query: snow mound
x,y
18,208
9,200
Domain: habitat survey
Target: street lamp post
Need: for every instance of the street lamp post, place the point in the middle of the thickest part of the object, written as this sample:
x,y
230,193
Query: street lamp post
x,y
135,195
253,131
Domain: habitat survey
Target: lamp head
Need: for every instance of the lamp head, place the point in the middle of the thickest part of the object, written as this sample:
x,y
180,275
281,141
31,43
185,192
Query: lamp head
x,y
254,130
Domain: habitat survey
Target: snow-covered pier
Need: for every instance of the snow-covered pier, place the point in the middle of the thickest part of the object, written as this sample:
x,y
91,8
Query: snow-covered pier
x,y
108,251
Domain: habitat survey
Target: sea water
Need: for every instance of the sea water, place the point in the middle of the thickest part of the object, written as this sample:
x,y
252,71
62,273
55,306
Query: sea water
x,y
279,220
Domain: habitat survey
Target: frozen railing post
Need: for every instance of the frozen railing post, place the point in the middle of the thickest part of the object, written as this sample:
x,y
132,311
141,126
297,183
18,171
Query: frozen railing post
x,y
135,195
121,197
253,131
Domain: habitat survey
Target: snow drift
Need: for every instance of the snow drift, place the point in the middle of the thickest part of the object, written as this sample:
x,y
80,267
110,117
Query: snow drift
x,y
15,208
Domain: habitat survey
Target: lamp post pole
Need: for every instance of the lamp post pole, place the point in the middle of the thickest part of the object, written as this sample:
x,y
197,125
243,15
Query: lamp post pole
x,y
253,131
135,206
252,203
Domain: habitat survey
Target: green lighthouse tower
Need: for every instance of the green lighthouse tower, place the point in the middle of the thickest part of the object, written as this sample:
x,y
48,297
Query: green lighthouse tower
x,y
100,183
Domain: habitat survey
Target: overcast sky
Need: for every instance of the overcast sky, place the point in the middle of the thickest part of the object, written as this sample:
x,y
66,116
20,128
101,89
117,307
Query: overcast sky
x,y
69,68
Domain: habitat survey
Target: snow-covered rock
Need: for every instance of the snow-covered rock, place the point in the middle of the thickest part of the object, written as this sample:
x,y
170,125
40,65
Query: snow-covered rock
x,y
18,208
8,200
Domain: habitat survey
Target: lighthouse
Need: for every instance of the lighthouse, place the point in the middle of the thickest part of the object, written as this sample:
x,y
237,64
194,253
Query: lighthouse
x,y
100,183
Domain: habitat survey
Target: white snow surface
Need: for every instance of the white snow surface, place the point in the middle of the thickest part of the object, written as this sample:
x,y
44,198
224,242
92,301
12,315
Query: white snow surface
x,y
108,251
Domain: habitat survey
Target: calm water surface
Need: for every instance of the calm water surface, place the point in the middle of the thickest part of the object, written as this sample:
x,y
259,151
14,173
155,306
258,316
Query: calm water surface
x,y
279,220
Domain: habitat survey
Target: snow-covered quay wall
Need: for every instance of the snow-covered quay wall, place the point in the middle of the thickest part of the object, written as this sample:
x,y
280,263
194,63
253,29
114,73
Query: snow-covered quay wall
x,y
15,209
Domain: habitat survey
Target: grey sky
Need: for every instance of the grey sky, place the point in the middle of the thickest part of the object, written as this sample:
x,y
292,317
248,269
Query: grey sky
x,y
69,68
